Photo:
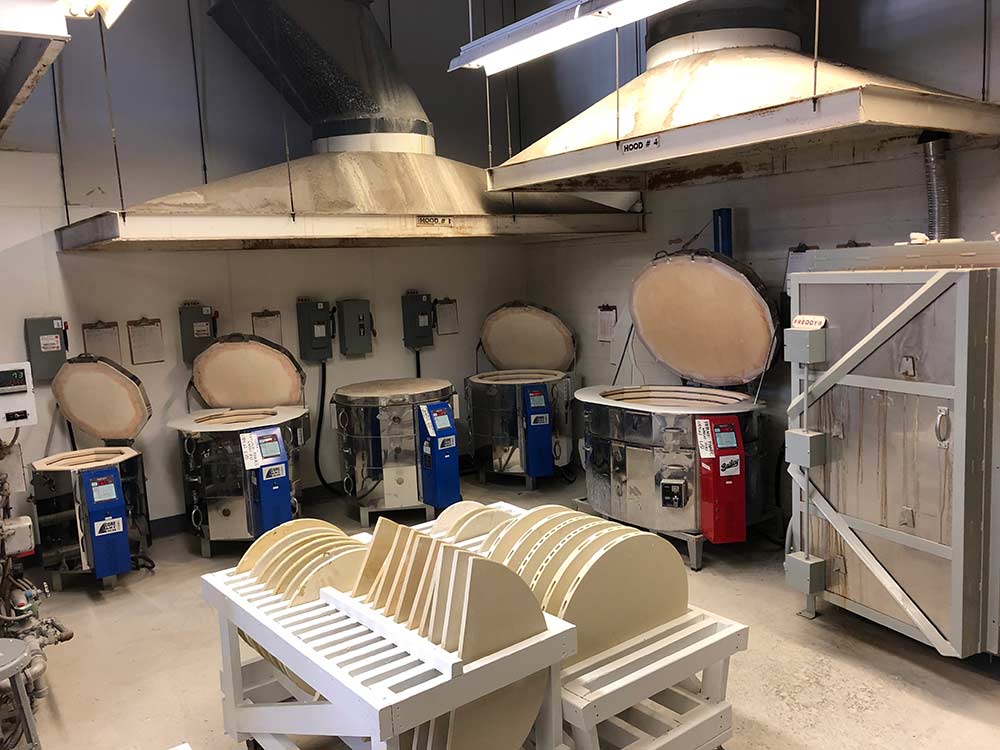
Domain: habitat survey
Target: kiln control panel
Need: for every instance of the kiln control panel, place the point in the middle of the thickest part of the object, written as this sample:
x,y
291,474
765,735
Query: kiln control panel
x,y
17,396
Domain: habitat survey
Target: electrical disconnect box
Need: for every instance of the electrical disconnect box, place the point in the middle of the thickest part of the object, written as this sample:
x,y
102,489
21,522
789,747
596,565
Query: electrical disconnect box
x,y
45,339
315,330
418,320
356,327
17,396
197,329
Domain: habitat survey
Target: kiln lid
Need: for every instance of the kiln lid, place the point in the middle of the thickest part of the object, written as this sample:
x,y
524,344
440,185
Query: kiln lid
x,y
523,336
102,398
240,371
396,391
704,316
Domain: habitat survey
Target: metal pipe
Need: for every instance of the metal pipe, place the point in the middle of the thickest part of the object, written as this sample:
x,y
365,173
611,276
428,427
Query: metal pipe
x,y
938,186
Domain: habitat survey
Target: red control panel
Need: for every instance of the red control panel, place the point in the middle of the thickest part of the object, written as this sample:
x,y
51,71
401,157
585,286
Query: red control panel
x,y
722,464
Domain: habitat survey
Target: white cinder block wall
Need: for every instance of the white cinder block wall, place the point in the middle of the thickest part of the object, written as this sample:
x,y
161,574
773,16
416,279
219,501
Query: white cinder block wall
x,y
152,82
126,286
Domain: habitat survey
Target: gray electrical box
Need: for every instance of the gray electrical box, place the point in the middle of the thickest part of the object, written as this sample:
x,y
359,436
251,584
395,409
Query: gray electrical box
x,y
45,341
805,448
355,327
805,573
418,320
197,329
315,330
805,347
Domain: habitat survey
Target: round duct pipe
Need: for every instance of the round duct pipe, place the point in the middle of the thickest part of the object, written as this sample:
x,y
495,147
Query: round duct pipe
x,y
712,15
721,24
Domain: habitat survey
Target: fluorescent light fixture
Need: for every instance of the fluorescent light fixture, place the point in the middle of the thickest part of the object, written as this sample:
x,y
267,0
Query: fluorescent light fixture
x,y
110,10
563,25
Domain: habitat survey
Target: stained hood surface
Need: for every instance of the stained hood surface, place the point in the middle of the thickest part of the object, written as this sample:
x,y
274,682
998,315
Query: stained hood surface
x,y
705,107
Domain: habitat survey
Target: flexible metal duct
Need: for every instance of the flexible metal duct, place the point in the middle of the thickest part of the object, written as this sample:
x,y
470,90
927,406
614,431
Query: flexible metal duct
x,y
938,185
341,77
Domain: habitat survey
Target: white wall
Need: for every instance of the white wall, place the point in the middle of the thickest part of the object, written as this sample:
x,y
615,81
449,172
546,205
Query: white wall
x,y
37,280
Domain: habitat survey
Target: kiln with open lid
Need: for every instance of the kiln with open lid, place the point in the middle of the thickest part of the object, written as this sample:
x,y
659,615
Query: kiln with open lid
x,y
91,503
240,455
398,445
686,460
520,414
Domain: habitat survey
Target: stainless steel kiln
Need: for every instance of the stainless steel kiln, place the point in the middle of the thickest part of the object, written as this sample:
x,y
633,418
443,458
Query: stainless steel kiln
x,y
898,439
521,414
251,386
379,423
686,461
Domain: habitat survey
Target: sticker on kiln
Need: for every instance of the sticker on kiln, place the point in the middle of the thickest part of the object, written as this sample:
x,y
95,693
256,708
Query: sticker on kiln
x,y
108,526
729,466
274,472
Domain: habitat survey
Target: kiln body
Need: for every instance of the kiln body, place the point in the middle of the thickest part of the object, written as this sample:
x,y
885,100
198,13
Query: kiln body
x,y
686,460
91,503
398,444
521,414
240,457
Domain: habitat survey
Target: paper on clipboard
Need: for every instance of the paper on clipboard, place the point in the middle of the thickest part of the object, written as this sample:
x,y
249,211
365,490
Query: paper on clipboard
x,y
145,340
267,325
102,340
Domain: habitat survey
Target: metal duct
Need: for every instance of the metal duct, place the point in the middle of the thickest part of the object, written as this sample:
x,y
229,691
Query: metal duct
x,y
329,60
715,15
938,185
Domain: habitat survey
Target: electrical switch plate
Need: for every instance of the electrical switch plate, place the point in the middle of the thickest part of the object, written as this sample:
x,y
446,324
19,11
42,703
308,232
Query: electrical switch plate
x,y
315,330
46,345
354,327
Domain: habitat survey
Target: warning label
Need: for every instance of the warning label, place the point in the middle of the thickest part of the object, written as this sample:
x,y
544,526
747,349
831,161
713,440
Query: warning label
x,y
50,343
703,429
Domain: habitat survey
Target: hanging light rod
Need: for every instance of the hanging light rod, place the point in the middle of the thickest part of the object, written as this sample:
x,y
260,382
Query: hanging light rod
x,y
563,25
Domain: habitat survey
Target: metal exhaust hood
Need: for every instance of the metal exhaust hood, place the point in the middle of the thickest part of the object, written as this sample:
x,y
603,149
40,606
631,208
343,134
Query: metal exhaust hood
x,y
373,179
721,84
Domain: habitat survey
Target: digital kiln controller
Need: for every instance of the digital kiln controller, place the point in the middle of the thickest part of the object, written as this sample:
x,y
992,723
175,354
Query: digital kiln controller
x,y
17,396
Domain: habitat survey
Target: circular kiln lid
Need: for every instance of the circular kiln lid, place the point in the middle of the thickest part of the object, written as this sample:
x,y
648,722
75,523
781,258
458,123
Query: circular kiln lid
x,y
704,316
517,377
101,398
669,399
247,372
396,391
521,336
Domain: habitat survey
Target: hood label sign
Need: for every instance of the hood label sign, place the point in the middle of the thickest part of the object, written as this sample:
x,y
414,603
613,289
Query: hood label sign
x,y
639,144
435,221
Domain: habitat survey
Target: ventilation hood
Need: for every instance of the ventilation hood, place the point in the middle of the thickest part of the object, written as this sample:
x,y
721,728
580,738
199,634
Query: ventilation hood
x,y
722,82
374,177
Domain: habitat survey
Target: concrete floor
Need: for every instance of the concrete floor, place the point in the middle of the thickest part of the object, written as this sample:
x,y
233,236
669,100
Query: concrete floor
x,y
142,671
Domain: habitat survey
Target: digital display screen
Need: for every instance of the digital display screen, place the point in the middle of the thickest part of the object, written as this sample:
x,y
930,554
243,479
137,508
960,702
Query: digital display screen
x,y
536,399
269,446
103,489
725,437
441,419
12,379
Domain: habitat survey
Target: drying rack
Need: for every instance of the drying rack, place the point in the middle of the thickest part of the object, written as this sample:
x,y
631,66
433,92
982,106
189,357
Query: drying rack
x,y
370,679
